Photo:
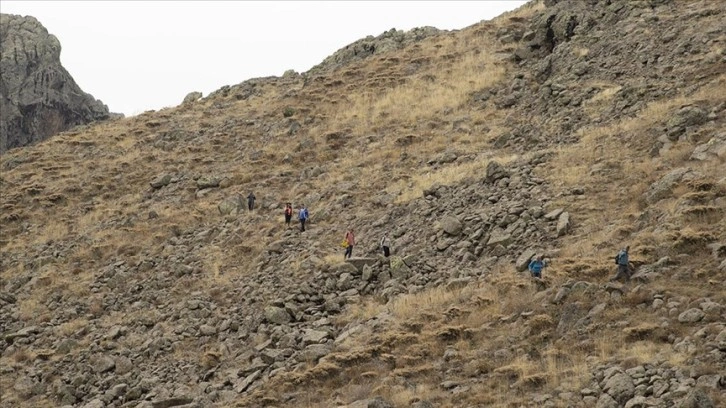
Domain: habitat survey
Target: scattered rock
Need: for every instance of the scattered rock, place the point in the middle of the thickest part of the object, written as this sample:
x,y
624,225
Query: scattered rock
x,y
242,385
101,364
161,181
277,315
495,172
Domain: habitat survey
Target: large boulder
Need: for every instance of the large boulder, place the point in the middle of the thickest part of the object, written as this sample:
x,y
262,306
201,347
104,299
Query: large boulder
x,y
399,269
663,188
691,316
38,97
499,237
451,225
685,117
523,260
620,387
563,224
697,398
713,149
277,315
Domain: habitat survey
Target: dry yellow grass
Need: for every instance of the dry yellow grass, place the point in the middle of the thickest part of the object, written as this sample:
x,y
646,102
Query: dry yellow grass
x,y
424,97
69,328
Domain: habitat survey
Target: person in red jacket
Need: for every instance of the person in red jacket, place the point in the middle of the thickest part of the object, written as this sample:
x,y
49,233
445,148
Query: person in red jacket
x,y
288,213
350,240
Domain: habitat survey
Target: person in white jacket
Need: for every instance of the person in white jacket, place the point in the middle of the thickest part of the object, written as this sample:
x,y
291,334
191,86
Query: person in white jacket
x,y
386,245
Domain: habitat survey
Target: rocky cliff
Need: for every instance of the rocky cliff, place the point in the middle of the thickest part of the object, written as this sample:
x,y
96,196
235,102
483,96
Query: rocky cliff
x,y
38,97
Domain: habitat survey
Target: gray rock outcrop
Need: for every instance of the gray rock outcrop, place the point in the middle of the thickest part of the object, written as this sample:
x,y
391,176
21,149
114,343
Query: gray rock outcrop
x,y
38,97
390,40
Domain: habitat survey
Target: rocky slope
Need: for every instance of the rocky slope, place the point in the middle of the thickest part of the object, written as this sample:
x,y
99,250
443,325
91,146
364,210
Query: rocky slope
x,y
38,97
133,275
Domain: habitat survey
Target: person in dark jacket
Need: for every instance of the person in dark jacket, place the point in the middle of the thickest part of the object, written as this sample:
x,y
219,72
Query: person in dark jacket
x,y
536,267
623,262
251,201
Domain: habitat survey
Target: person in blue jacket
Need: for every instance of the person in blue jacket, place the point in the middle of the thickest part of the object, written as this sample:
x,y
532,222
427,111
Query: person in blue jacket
x,y
303,216
536,267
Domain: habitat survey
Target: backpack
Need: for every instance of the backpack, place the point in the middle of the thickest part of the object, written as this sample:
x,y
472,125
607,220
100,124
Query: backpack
x,y
617,258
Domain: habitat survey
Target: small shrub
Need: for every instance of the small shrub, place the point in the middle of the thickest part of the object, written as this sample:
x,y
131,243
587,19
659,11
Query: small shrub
x,y
22,355
288,112
209,360
646,331
540,322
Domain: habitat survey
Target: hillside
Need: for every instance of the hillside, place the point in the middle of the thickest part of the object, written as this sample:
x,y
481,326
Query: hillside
x,y
133,274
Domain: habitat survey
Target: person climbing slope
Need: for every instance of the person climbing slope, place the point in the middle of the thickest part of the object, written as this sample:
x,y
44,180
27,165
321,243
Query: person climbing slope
x,y
350,240
386,245
536,267
302,216
623,262
251,201
288,213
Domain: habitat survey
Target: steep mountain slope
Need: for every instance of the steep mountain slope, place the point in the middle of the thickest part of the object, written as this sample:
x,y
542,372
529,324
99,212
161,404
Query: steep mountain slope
x,y
133,275
38,97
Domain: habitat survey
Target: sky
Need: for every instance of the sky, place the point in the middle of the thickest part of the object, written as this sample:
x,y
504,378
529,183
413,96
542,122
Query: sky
x,y
147,55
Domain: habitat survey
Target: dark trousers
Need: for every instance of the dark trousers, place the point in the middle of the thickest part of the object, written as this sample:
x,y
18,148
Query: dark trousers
x,y
623,272
348,251
386,251
302,225
287,218
251,205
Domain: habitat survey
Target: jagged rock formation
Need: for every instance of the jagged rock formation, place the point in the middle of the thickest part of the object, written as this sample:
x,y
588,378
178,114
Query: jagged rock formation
x,y
38,97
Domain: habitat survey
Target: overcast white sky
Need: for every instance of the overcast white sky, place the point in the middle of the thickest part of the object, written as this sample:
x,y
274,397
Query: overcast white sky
x,y
141,55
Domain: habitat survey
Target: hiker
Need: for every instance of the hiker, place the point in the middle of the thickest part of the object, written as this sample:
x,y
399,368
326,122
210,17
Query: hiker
x,y
386,245
621,259
350,240
288,213
251,201
536,267
302,215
